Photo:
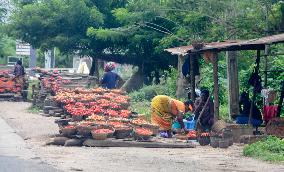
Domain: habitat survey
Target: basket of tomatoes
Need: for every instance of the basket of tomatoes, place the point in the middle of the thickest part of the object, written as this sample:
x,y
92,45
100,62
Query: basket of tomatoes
x,y
154,128
142,134
110,134
101,133
204,139
122,131
84,129
68,130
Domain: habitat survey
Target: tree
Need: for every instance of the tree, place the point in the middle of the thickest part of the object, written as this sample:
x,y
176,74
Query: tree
x,y
7,45
55,23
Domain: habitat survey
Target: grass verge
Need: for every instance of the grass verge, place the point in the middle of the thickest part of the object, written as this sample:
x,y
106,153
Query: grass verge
x,y
269,149
33,109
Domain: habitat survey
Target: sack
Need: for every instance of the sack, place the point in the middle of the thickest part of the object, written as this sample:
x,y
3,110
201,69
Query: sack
x,y
255,81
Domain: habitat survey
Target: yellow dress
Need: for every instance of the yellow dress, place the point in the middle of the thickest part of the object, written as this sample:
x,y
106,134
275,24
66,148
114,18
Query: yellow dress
x,y
164,110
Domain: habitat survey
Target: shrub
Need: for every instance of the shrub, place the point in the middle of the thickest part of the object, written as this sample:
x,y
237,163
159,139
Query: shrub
x,y
269,149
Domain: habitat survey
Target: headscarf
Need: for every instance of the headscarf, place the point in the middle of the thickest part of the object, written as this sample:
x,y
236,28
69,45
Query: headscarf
x,y
110,66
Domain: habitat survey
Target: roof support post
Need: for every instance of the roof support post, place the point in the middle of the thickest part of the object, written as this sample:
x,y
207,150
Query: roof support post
x,y
233,82
266,51
254,88
216,86
192,77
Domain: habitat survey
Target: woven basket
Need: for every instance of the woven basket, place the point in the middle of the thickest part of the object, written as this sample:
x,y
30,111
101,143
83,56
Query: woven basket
x,y
84,130
68,131
121,133
203,141
109,135
153,128
141,137
219,126
214,141
275,127
101,136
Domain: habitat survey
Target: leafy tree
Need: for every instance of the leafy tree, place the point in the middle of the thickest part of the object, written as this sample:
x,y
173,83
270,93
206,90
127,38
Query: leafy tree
x,y
55,23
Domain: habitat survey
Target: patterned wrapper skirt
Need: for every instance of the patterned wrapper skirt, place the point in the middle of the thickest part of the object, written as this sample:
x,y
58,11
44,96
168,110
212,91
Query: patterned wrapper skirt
x,y
161,108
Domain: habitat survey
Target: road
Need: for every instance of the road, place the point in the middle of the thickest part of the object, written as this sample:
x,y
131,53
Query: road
x,y
15,155
36,130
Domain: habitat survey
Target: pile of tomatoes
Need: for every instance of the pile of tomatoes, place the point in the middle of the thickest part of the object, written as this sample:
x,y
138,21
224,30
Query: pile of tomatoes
x,y
8,85
102,131
139,121
70,127
143,131
192,134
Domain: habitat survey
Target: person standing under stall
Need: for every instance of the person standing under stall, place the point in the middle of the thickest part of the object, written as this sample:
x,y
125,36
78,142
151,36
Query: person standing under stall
x,y
204,110
166,109
245,104
110,79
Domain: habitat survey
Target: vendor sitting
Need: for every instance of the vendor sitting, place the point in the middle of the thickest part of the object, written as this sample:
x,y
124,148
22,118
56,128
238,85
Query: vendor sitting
x,y
164,111
204,110
245,104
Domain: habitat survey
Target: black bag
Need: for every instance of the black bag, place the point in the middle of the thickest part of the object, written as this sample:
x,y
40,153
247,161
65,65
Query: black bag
x,y
255,81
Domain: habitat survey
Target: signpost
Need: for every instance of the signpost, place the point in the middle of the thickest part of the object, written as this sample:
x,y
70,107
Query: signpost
x,y
25,49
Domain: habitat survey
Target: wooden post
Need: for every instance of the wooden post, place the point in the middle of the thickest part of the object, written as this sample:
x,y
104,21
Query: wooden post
x,y
254,89
192,77
280,104
216,86
233,82
266,65
182,81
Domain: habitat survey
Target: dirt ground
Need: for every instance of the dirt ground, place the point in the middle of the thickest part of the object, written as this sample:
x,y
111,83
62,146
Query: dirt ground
x,y
36,130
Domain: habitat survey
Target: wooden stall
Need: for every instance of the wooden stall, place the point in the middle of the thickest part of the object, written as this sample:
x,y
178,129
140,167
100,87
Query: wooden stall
x,y
211,51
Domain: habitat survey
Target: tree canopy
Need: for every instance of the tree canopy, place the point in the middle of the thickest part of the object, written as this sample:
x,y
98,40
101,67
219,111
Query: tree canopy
x,y
138,31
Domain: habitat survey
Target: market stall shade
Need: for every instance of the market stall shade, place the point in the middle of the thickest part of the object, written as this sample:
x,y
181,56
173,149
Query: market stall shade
x,y
229,45
214,48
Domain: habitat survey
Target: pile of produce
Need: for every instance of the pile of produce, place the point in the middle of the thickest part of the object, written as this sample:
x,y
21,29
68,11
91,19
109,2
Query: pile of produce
x,y
7,84
51,80
97,111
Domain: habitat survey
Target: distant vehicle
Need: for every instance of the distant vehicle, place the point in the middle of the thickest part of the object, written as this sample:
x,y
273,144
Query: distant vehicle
x,y
13,59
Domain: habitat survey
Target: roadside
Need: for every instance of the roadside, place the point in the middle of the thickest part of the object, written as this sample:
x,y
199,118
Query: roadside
x,y
36,130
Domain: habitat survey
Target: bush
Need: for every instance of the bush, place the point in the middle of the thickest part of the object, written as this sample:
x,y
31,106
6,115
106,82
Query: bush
x,y
142,107
269,149
141,99
224,113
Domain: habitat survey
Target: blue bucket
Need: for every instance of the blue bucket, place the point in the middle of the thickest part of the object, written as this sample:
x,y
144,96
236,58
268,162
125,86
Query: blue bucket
x,y
189,125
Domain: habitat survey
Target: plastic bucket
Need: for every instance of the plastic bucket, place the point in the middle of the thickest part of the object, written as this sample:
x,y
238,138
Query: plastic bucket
x,y
189,125
176,125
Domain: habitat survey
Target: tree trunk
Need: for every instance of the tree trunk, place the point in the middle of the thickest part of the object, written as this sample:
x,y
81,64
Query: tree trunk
x,y
92,70
182,82
135,82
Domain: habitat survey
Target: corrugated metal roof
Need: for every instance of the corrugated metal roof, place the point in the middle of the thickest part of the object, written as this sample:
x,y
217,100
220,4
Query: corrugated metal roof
x,y
230,45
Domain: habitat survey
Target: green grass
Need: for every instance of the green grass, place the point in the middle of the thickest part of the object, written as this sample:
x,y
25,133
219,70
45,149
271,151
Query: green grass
x,y
33,109
142,107
269,149
31,82
224,113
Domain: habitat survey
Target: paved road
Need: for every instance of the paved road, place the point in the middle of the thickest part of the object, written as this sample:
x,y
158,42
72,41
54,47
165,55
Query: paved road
x,y
15,155
15,164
